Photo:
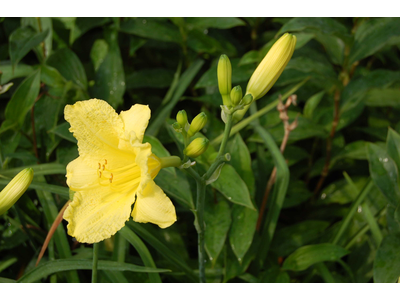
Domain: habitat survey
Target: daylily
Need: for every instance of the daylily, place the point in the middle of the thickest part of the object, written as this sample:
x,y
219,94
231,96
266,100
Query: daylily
x,y
113,171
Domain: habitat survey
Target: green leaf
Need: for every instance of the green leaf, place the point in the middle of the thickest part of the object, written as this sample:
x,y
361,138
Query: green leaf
x,y
249,58
200,42
23,40
333,45
372,35
312,104
98,53
384,173
51,77
306,256
7,262
22,101
83,25
150,78
221,23
41,24
241,161
233,187
69,66
387,260
110,78
141,248
62,130
244,222
217,218
393,146
50,267
176,186
355,150
383,97
20,70
290,238
42,169
156,147
163,249
149,28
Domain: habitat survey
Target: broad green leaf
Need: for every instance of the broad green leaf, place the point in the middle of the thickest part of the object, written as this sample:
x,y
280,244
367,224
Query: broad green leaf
x,y
244,222
110,78
372,35
20,70
82,25
220,23
217,218
7,262
200,42
387,260
42,51
50,267
23,40
327,26
290,238
297,193
51,77
341,192
393,146
152,29
241,161
312,104
62,130
307,256
42,169
176,186
354,150
22,100
333,45
383,97
310,65
249,58
384,173
233,187
98,53
150,78
69,66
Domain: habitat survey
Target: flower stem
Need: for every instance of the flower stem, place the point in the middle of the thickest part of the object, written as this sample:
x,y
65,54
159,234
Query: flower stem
x,y
199,224
95,259
170,161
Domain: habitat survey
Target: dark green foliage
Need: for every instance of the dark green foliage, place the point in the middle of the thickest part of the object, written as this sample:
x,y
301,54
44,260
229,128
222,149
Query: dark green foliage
x,y
345,73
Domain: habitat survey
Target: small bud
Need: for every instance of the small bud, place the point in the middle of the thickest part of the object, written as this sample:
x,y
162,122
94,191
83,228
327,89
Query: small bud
x,y
14,190
197,124
236,95
224,73
177,127
181,117
247,100
196,148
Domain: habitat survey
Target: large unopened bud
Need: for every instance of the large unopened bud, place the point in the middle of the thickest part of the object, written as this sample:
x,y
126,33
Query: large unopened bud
x,y
14,190
197,124
196,148
224,73
269,70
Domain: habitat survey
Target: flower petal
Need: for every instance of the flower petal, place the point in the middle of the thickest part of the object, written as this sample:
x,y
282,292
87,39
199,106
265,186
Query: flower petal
x,y
97,214
136,119
153,206
97,127
80,175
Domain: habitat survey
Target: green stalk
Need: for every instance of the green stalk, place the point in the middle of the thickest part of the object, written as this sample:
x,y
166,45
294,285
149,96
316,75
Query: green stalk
x,y
256,115
201,192
95,260
324,272
352,210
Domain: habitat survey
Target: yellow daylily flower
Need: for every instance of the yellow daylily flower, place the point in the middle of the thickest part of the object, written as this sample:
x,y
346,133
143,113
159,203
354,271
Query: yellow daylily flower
x,y
114,170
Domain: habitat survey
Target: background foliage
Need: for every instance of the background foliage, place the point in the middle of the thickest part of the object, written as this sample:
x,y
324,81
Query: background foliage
x,y
339,219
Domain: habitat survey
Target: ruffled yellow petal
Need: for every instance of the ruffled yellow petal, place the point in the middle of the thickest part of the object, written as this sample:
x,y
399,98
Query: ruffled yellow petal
x,y
97,214
97,127
80,175
153,206
136,119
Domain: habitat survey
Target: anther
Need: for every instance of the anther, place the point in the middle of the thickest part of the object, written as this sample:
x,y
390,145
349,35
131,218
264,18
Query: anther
x,y
99,166
105,161
103,167
99,174
111,178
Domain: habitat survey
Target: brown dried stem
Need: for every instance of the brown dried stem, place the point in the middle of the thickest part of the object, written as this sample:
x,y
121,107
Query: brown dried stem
x,y
282,108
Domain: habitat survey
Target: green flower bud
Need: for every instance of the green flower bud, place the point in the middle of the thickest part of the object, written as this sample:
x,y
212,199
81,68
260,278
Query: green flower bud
x,y
247,100
177,127
181,117
14,190
197,124
236,95
224,73
196,148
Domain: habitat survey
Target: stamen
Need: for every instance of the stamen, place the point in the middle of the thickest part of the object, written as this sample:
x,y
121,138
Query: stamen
x,y
103,167
105,161
111,178
99,174
99,166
